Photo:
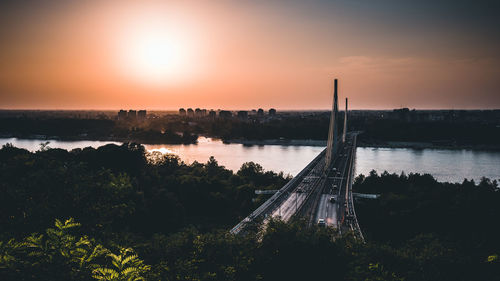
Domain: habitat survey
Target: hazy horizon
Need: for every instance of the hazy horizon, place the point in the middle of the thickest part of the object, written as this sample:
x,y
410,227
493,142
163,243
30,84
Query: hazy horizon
x,y
247,109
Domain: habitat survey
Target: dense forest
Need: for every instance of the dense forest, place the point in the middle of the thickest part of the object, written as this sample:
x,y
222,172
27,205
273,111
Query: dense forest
x,y
442,133
439,231
119,213
92,129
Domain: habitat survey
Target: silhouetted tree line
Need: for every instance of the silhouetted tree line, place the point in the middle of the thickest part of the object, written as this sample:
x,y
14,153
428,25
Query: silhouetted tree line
x,y
123,214
438,132
175,129
447,132
91,129
123,188
294,127
438,231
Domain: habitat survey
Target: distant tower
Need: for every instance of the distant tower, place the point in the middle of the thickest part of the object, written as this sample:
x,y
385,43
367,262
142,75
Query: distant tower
x,y
141,114
331,145
132,114
122,114
260,112
345,122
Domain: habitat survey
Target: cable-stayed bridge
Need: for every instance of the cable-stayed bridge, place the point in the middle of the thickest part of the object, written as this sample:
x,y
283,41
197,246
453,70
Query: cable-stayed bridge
x,y
322,191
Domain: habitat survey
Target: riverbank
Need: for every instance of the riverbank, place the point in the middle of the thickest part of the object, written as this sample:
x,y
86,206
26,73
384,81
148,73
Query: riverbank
x,y
285,142
379,144
144,141
279,142
428,145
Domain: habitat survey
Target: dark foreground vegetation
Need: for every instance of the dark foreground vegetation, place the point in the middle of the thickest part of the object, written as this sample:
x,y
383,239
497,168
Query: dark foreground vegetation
x,y
437,231
115,213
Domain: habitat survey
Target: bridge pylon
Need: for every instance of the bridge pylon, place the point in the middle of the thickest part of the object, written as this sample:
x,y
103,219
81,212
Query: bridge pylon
x,y
331,145
345,122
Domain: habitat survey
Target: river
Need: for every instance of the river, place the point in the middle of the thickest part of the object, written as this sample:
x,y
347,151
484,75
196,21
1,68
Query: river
x,y
443,164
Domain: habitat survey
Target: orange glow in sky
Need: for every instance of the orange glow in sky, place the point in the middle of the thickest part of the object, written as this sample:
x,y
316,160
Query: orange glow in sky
x,y
243,55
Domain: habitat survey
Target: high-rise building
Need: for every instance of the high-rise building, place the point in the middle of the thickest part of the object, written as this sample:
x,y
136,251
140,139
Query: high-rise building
x,y
272,112
190,112
225,114
141,114
122,114
182,112
132,114
260,112
243,114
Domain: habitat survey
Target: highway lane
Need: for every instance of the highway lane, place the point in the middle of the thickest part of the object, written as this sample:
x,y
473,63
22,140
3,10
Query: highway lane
x,y
303,182
327,211
309,196
288,208
335,186
300,194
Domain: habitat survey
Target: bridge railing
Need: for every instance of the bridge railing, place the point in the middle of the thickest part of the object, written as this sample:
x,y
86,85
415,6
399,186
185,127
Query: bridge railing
x,y
357,229
278,197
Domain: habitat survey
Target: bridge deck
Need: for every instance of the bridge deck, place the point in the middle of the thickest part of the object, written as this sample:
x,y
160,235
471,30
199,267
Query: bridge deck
x,y
309,193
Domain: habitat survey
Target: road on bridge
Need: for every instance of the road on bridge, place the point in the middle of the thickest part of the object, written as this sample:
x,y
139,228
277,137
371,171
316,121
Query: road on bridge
x,y
317,193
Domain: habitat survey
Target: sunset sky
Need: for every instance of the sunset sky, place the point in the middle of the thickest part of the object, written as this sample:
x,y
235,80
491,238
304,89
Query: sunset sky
x,y
249,54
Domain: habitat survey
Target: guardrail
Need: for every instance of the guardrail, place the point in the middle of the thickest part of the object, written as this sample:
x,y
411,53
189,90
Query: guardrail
x,y
357,229
277,198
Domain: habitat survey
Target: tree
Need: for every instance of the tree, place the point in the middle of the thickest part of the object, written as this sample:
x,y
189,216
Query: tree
x,y
126,267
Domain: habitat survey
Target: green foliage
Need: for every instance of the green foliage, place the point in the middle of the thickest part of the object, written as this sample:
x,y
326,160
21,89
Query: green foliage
x,y
62,254
126,267
433,230
122,188
170,213
493,259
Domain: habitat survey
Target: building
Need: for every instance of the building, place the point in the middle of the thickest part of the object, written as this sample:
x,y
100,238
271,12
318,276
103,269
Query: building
x,y
260,112
182,112
197,112
225,114
190,112
272,112
212,114
132,114
243,114
122,114
141,114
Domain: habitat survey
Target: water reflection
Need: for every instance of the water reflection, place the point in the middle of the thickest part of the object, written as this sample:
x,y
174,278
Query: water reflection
x,y
445,165
34,145
272,157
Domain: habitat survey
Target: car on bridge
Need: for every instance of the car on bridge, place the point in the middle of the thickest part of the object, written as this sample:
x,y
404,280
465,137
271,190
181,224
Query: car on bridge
x,y
321,222
332,199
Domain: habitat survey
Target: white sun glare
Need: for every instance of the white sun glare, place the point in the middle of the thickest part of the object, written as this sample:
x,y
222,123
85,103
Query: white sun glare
x,y
157,52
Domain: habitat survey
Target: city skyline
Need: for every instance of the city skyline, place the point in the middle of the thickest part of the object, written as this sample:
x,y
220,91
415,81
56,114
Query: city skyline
x,y
243,55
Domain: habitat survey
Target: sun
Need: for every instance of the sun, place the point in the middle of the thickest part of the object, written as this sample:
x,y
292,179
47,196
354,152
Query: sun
x,y
157,53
